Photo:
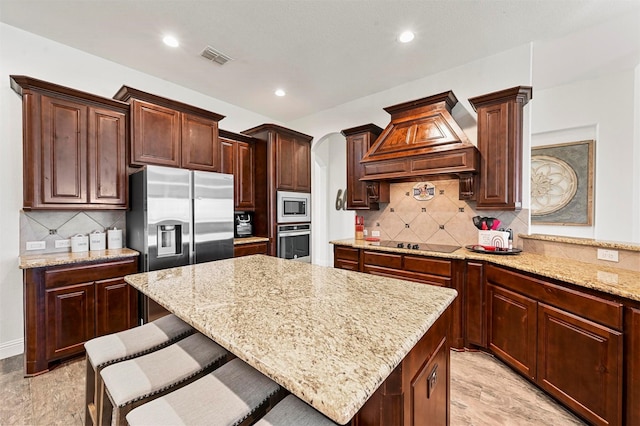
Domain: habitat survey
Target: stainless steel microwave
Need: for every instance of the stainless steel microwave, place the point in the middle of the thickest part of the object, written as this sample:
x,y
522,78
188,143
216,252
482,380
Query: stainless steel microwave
x,y
293,207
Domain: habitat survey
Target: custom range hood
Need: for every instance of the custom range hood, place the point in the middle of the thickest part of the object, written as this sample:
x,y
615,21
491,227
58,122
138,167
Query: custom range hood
x,y
421,141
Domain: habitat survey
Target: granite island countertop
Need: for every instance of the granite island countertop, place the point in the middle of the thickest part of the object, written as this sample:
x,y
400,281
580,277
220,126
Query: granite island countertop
x,y
327,335
615,281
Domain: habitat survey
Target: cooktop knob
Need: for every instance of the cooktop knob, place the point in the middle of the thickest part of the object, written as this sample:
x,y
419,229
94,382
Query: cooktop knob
x,y
400,245
415,247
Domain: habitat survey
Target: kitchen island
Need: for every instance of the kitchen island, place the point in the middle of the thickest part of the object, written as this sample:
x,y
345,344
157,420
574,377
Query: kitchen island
x,y
357,347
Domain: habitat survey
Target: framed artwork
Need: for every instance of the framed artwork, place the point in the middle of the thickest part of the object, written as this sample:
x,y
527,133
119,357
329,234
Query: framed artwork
x,y
562,184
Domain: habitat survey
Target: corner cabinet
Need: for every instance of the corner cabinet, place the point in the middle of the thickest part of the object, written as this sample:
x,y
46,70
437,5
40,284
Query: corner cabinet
x,y
362,195
568,342
500,118
67,305
238,159
165,132
74,148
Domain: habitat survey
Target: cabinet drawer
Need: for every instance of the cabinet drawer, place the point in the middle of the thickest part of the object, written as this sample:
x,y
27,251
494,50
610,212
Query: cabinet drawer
x,y
249,249
74,274
346,264
383,259
346,253
427,265
595,308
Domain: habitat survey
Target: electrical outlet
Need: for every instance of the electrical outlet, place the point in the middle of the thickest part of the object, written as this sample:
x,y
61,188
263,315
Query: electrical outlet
x,y
610,255
63,243
375,233
36,245
365,232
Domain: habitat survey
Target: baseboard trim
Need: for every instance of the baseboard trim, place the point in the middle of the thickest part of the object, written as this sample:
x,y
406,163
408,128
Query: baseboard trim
x,y
11,348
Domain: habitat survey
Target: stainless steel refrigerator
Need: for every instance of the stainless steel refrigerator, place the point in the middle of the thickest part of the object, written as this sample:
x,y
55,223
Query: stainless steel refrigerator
x,y
178,217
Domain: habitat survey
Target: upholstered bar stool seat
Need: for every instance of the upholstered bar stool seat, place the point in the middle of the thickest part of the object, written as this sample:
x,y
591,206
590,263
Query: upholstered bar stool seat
x,y
105,350
292,411
234,394
133,382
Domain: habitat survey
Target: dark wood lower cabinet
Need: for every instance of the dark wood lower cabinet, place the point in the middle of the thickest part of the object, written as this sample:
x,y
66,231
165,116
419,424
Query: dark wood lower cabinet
x,y
632,365
67,305
474,306
511,329
240,250
579,363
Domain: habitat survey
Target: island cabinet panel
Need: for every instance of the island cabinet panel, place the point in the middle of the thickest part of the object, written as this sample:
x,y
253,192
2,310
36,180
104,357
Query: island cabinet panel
x,y
474,301
632,365
249,249
74,148
568,344
511,329
66,305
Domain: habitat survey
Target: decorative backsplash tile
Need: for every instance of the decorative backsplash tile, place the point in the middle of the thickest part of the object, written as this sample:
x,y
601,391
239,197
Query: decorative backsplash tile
x,y
444,219
50,226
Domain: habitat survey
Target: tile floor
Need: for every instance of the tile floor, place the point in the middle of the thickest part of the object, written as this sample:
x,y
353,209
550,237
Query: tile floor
x,y
483,392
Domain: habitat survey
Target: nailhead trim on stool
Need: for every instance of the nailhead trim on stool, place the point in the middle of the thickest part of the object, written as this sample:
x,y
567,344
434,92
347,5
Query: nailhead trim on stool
x,y
231,395
105,350
292,411
131,383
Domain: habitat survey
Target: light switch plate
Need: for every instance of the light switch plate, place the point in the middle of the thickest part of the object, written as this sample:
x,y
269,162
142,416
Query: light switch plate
x,y
36,245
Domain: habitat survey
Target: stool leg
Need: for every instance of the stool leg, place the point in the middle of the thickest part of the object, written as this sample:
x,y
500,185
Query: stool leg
x,y
90,394
106,407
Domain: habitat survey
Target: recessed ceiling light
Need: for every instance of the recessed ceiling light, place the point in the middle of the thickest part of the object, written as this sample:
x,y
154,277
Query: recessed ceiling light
x,y
170,41
280,92
406,37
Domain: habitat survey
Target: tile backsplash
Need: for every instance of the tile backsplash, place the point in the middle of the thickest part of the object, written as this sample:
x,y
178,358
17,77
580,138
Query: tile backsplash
x,y
49,226
444,219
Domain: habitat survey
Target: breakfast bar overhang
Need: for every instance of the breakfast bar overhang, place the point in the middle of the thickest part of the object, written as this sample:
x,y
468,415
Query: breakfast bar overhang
x,y
358,348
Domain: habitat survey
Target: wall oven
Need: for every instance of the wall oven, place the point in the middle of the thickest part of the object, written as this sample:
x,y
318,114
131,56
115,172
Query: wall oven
x,y
294,242
293,207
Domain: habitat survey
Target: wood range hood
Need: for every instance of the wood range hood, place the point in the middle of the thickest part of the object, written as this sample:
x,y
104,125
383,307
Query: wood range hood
x,y
423,141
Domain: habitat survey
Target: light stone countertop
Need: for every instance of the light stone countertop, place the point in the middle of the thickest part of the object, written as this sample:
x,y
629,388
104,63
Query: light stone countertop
x,y
610,280
249,240
52,259
329,336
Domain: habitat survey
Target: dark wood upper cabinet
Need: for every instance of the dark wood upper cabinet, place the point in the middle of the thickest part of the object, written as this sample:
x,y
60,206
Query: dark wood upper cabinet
x,y
362,195
238,158
500,116
294,163
165,132
74,148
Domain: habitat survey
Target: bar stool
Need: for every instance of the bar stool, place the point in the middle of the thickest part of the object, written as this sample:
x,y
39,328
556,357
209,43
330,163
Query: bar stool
x,y
234,394
105,350
133,382
292,411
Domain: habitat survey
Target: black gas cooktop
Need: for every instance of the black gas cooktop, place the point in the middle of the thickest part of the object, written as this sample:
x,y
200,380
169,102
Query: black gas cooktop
x,y
440,248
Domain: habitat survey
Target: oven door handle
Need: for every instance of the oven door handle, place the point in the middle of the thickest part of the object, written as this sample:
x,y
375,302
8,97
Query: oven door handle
x,y
293,234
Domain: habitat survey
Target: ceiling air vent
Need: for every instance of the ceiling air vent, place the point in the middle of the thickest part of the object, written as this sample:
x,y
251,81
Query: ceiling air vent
x,y
214,55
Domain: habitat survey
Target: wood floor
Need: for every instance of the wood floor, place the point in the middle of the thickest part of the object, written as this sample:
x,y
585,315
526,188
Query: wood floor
x,y
483,392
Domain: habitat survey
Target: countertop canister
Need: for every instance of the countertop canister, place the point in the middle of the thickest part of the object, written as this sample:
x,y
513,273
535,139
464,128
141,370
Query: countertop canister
x,y
97,241
79,243
114,238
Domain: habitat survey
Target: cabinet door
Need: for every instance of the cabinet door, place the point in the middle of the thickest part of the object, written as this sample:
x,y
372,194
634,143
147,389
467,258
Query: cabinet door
x,y
285,164
200,145
116,306
302,162
632,366
511,328
227,157
580,363
475,305
156,135
70,319
430,390
244,176
249,249
64,155
357,193
107,157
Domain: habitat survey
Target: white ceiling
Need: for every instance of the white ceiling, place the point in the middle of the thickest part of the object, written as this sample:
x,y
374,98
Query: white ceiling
x,y
322,52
